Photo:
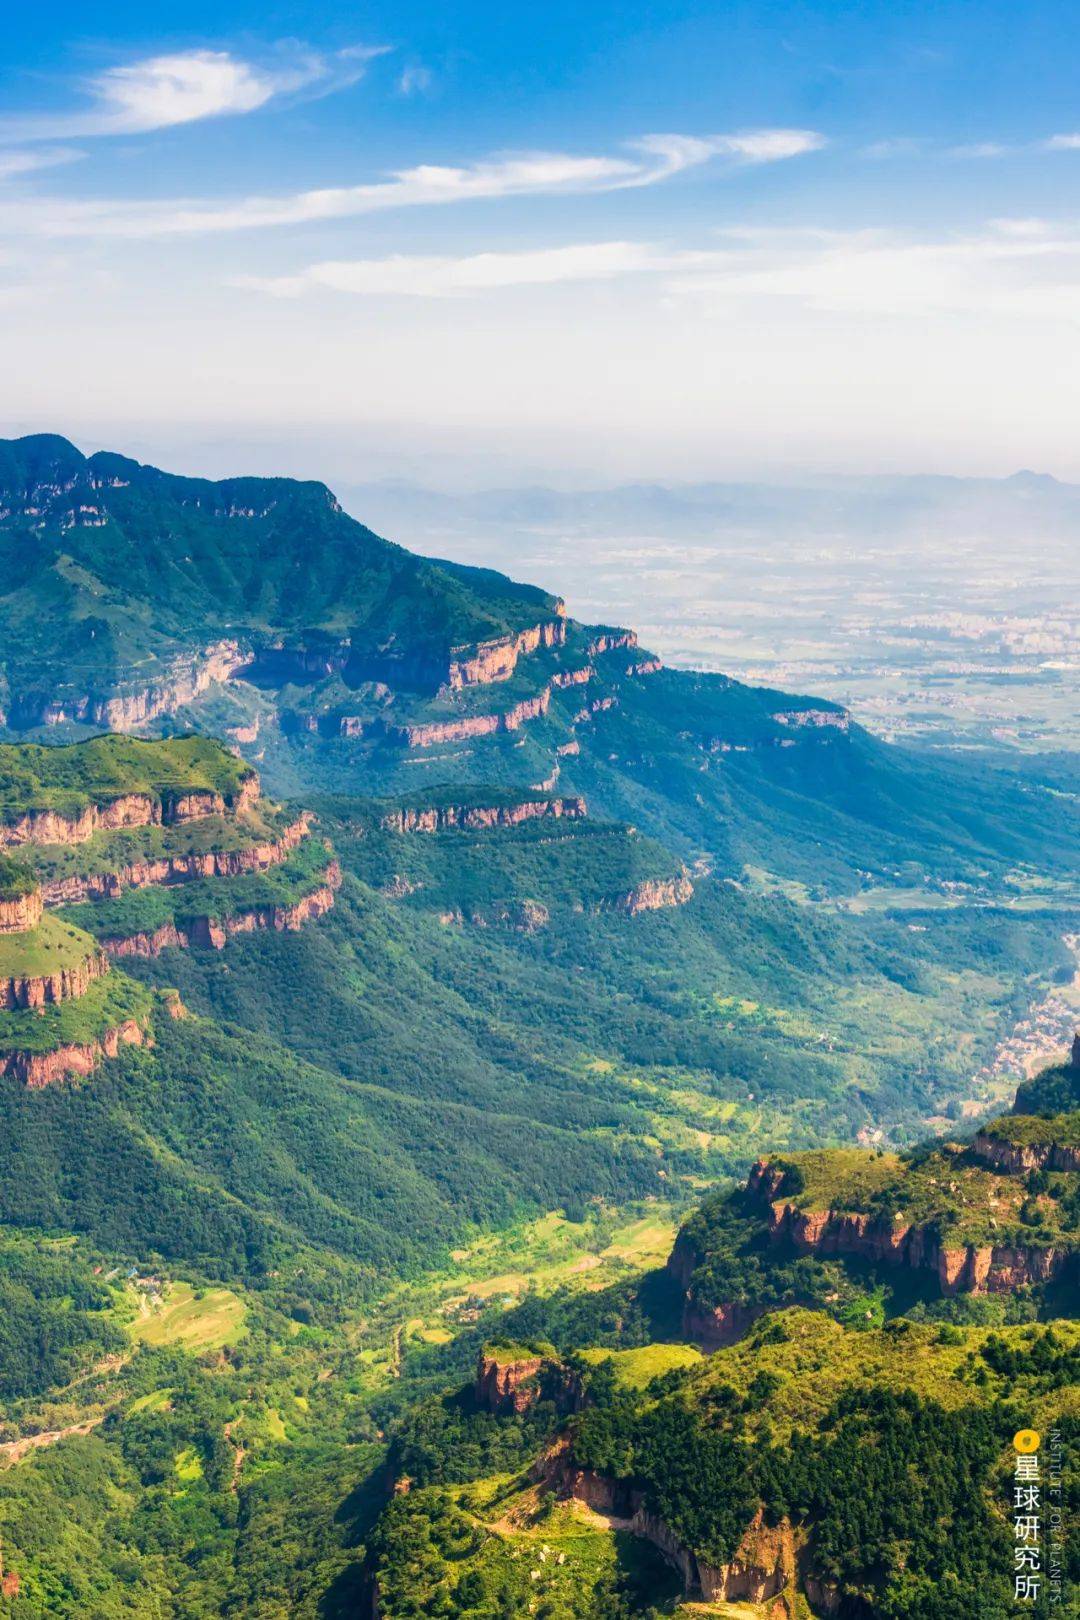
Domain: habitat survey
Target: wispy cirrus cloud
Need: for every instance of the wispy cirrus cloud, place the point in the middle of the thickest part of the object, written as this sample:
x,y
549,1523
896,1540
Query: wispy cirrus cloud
x,y
160,92
1010,267
26,161
435,276
648,160
1014,267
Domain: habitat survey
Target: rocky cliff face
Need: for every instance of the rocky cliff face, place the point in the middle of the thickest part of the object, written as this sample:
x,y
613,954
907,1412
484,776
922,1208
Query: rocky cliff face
x,y
172,869
38,1069
496,660
19,915
438,818
814,719
507,1386
960,1268
523,916
126,810
214,932
765,1568
652,894
44,989
185,680
432,733
1018,1159
605,641
712,1327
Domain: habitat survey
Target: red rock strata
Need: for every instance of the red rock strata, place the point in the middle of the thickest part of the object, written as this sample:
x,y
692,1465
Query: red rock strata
x,y
429,734
38,1069
43,989
652,894
215,932
766,1568
19,915
496,660
437,818
507,1386
611,641
127,810
961,1268
1017,1158
172,869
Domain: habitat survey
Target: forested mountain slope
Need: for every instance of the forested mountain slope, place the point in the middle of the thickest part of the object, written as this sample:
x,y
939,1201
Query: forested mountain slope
x,y
417,1010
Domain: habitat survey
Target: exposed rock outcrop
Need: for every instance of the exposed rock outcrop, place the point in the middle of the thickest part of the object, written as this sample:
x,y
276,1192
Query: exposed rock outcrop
x,y
836,719
185,680
611,641
573,677
431,733
647,666
179,868
43,989
38,1069
712,1327
524,916
960,1268
45,826
438,818
496,660
651,894
507,1386
765,1565
215,932
21,913
1017,1158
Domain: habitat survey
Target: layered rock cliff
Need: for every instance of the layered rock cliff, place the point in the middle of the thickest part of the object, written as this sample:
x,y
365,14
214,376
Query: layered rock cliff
x,y
127,710
507,1384
214,932
1018,1158
474,817
46,826
651,894
960,1267
178,868
21,913
29,990
497,659
764,1569
38,1069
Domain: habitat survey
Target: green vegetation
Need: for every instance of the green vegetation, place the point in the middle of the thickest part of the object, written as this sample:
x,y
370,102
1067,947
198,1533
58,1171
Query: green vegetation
x,y
54,946
104,768
129,846
376,1146
56,1315
143,910
17,879
197,1318
109,1002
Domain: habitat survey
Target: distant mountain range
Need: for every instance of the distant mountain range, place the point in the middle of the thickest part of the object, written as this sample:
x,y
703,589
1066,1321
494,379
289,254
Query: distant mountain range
x,y
1025,504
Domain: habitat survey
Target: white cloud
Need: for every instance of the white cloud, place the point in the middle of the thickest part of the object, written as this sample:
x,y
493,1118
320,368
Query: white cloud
x,y
657,158
979,149
1063,143
429,276
1010,268
160,92
415,80
13,164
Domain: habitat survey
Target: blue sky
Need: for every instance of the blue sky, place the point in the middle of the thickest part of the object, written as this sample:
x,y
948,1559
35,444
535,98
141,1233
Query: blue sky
x,y
471,242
